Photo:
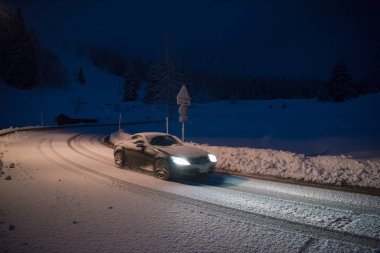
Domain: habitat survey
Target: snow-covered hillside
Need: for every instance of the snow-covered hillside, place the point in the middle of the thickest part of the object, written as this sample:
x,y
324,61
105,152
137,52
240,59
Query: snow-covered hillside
x,y
303,126
95,99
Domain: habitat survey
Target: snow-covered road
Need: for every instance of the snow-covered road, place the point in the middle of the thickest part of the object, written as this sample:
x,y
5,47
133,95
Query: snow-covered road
x,y
67,196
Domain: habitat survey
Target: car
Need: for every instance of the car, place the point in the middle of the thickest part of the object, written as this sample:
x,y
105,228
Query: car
x,y
164,154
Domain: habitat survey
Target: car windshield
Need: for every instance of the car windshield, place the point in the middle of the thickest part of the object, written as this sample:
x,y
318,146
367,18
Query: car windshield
x,y
164,140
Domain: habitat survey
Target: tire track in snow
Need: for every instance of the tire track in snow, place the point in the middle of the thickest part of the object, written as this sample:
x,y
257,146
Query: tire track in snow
x,y
54,160
107,160
315,214
307,245
98,141
337,234
96,145
229,183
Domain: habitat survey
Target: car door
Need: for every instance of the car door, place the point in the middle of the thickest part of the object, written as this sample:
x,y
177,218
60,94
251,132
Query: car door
x,y
137,153
149,155
130,151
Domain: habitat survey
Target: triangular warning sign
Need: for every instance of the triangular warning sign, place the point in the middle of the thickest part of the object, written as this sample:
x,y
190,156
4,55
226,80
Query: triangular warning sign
x,y
183,97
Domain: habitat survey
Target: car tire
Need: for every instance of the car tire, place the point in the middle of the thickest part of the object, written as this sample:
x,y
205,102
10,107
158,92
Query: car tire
x,y
119,159
161,169
203,176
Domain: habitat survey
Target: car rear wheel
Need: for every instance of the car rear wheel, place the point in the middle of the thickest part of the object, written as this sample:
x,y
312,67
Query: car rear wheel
x,y
119,159
161,169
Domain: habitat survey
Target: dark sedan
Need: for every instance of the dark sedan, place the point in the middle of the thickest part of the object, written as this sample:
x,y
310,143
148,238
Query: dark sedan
x,y
164,154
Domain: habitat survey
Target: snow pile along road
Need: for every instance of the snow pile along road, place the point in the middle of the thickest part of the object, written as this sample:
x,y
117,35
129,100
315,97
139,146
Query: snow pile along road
x,y
12,130
335,170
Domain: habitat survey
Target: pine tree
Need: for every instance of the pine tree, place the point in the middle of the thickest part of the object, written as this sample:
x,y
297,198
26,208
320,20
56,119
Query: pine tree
x,y
20,53
164,84
340,87
131,83
3,41
79,76
164,81
51,69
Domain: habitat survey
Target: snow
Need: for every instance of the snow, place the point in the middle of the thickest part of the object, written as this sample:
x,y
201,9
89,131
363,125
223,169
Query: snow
x,y
56,206
306,126
101,97
52,203
335,170
10,130
329,143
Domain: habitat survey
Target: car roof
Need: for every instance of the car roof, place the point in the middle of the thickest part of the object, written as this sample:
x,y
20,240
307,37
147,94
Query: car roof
x,y
151,134
148,136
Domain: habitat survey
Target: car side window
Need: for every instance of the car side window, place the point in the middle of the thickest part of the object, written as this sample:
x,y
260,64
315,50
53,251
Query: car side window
x,y
164,140
137,139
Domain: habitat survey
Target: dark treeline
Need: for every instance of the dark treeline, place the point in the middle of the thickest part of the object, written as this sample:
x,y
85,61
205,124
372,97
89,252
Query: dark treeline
x,y
113,61
24,62
165,77
256,88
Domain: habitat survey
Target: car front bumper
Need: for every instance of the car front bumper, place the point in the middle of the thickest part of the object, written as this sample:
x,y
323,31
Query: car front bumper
x,y
193,169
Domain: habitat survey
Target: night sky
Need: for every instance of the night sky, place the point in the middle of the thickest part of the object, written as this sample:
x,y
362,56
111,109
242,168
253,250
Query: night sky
x,y
297,39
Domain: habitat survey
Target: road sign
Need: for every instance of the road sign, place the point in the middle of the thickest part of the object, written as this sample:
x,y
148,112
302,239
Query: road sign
x,y
183,97
183,100
183,112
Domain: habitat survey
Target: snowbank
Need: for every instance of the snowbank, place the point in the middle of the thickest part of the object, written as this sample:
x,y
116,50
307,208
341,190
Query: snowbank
x,y
336,170
10,130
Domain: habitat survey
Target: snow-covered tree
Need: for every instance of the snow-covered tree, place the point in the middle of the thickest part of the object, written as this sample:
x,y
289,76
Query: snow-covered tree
x,y
163,84
19,52
131,83
24,63
3,41
52,71
79,76
164,81
108,59
340,86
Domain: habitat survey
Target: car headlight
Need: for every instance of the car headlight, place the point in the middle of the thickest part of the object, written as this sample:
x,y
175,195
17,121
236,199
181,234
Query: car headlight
x,y
212,158
179,160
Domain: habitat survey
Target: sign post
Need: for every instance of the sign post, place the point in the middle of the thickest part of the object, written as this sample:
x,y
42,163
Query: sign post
x,y
42,118
167,125
183,100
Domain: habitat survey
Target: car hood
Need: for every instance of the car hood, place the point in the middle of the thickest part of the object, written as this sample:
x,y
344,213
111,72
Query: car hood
x,y
183,151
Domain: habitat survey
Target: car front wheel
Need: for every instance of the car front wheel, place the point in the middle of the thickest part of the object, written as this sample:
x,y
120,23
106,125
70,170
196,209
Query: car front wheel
x,y
161,169
119,159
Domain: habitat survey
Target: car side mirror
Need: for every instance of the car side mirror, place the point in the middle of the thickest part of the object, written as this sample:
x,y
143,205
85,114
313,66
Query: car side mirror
x,y
140,145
